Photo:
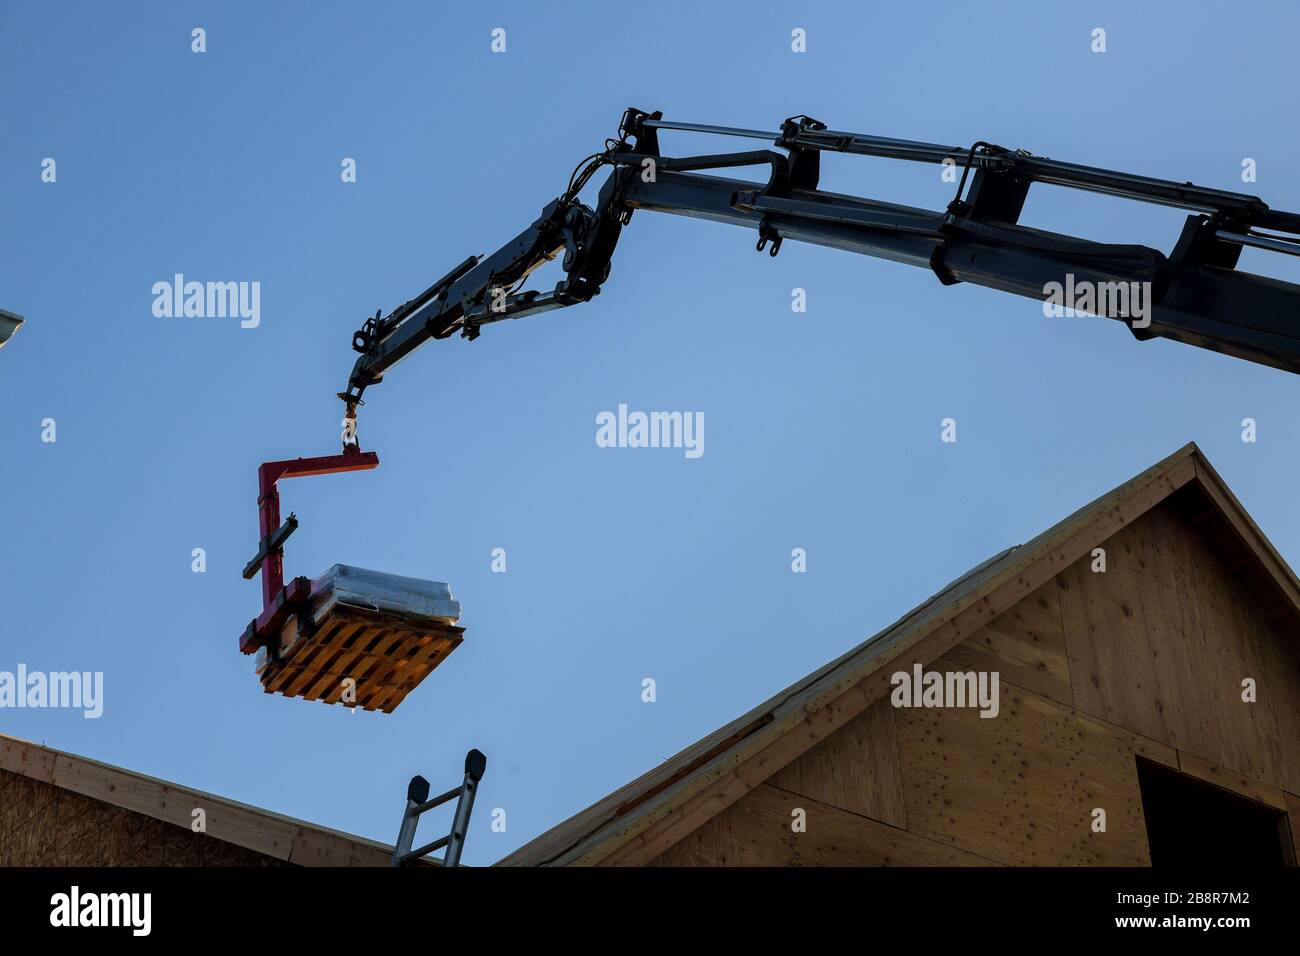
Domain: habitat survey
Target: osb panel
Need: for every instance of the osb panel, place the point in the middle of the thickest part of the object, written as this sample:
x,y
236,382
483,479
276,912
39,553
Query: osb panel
x,y
43,825
116,828
1161,642
147,843
25,800
77,824
1024,645
756,831
1021,787
855,769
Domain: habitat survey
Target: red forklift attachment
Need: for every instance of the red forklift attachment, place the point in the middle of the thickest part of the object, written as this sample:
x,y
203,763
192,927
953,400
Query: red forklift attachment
x,y
278,601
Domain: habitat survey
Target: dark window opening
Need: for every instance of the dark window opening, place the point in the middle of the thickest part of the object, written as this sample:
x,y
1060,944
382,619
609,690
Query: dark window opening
x,y
1192,823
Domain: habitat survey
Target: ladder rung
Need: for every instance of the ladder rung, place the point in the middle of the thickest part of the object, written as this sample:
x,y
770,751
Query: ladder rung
x,y
425,850
437,801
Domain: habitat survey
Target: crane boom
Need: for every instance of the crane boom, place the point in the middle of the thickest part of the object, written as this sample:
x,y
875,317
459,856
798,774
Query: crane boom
x,y
1195,294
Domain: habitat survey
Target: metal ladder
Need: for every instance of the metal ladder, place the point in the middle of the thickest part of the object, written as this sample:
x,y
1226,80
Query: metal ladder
x,y
418,802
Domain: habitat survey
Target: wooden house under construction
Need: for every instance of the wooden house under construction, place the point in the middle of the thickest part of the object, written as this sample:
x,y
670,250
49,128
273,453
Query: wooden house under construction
x,y
1147,651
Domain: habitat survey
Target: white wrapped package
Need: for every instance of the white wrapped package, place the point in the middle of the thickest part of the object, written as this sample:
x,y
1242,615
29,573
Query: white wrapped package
x,y
411,598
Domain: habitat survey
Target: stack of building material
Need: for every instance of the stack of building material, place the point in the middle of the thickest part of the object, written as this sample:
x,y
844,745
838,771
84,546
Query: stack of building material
x,y
364,639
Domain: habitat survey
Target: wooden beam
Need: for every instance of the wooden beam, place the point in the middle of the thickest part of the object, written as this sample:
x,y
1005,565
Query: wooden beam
x,y
1232,781
26,759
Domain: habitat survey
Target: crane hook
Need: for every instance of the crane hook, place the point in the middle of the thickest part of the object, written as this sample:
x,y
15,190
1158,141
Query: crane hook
x,y
351,444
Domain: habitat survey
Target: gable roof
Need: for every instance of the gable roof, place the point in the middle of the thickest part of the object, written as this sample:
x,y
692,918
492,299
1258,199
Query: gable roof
x,y
638,822
262,831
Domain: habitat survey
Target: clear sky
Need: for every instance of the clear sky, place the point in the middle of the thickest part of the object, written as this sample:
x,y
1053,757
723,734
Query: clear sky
x,y
822,428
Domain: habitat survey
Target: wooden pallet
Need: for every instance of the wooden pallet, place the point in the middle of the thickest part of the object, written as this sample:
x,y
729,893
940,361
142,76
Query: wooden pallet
x,y
385,654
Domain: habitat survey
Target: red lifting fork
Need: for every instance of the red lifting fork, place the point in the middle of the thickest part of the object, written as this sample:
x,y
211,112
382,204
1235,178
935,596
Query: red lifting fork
x,y
278,601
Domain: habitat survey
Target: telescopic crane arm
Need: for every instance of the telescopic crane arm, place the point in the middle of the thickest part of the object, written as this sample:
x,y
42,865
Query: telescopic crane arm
x,y
1197,295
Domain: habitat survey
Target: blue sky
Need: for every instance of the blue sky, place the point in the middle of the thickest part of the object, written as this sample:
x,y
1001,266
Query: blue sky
x,y
822,429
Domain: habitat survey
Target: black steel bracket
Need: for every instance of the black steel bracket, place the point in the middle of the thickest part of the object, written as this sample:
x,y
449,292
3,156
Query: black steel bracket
x,y
271,544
